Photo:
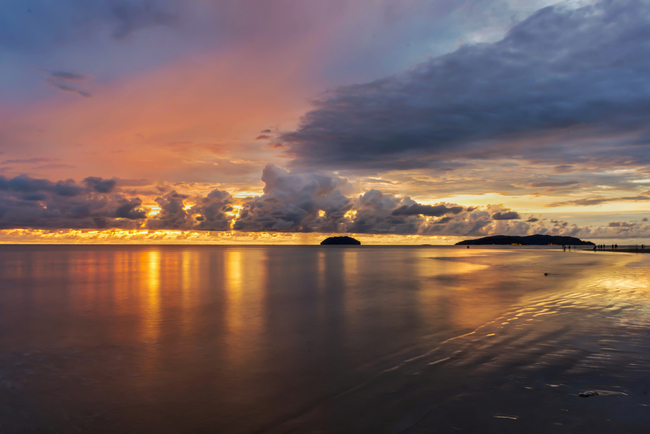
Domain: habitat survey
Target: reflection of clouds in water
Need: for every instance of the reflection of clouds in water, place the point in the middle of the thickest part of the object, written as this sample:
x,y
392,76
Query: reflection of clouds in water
x,y
364,320
602,325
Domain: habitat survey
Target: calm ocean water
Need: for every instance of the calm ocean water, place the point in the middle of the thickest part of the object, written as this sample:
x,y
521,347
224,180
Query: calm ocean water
x,y
322,339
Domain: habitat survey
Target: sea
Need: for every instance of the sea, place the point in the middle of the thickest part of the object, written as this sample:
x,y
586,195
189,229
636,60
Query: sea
x,y
323,339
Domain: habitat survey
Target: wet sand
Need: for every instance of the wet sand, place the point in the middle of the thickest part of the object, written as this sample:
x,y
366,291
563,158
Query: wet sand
x,y
280,340
522,372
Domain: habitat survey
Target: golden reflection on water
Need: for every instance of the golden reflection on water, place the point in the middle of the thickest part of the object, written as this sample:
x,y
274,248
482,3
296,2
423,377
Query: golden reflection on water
x,y
150,263
121,275
322,268
189,274
452,288
245,277
259,334
353,296
233,286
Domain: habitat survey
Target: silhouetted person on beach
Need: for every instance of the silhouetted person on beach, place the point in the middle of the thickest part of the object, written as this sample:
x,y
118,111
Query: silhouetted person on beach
x,y
564,247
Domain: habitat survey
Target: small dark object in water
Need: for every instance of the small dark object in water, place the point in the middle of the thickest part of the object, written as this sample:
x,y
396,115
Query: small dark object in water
x,y
587,394
545,274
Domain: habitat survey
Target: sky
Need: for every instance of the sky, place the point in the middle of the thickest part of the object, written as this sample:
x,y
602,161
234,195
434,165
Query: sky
x,y
281,121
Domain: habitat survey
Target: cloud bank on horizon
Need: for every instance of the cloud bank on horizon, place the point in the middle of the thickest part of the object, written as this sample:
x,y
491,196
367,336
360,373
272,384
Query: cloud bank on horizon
x,y
311,203
176,108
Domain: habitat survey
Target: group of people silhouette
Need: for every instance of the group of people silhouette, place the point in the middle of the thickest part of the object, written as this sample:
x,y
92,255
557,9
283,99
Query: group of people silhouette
x,y
615,246
602,247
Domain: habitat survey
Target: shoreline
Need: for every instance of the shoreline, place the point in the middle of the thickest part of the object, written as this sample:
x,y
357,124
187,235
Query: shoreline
x,y
626,250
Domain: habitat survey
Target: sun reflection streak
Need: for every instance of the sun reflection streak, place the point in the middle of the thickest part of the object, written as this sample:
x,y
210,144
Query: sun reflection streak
x,y
151,270
322,267
244,282
234,288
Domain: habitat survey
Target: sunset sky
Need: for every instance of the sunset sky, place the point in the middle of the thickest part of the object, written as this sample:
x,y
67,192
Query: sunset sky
x,y
395,121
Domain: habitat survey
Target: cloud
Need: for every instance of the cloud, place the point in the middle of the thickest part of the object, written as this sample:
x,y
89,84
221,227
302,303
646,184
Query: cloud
x,y
312,202
27,202
599,200
69,82
556,79
563,168
212,212
55,166
30,161
621,225
291,202
131,16
427,210
65,75
508,215
294,203
275,145
99,184
553,184
66,21
262,137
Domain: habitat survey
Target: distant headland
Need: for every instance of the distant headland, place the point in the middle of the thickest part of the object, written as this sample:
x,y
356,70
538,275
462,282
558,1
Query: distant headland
x,y
531,240
348,241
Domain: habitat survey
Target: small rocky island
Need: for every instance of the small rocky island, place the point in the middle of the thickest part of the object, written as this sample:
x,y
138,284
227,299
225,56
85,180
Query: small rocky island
x,y
340,241
531,240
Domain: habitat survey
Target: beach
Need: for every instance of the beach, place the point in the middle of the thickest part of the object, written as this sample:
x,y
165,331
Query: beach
x,y
323,339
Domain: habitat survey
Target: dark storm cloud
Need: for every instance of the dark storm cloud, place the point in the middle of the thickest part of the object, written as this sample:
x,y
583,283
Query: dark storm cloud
x,y
508,215
293,203
208,213
582,71
130,209
212,211
27,202
427,210
26,184
99,184
317,203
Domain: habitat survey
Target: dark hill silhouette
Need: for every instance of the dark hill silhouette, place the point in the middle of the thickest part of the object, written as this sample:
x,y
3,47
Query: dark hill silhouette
x,y
340,241
531,240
